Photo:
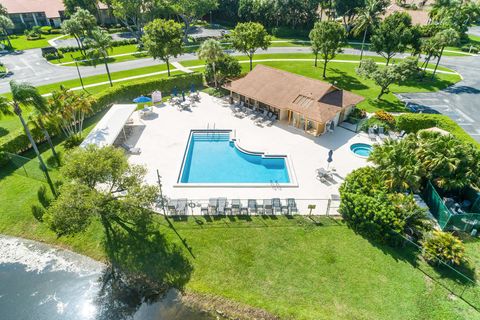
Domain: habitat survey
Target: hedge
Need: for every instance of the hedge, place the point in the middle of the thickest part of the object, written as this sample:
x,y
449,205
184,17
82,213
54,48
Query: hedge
x,y
17,142
413,122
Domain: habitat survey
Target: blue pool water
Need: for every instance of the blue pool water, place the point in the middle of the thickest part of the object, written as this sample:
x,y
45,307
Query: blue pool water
x,y
361,149
213,158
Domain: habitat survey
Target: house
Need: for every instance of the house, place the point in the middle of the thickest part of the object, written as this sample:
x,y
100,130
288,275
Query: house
x,y
28,13
304,103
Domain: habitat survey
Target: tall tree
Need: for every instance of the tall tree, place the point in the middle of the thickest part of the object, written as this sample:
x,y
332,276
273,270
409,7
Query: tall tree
x,y
100,42
367,18
327,38
393,35
189,11
248,37
429,48
72,5
163,40
348,10
24,94
211,51
385,76
5,24
80,25
444,39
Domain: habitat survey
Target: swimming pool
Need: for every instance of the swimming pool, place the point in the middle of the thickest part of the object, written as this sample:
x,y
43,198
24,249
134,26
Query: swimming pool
x,y
361,150
214,158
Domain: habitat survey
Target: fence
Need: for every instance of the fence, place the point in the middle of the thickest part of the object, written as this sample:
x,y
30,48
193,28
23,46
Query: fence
x,y
457,280
23,166
224,206
353,124
445,218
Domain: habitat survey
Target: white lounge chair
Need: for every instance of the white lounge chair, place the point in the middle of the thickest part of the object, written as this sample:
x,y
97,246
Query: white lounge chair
x,y
381,133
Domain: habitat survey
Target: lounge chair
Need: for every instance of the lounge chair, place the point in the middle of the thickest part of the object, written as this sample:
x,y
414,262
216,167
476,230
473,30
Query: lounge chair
x,y
236,206
277,205
212,205
401,134
270,121
371,134
267,206
131,150
222,203
381,133
252,206
392,135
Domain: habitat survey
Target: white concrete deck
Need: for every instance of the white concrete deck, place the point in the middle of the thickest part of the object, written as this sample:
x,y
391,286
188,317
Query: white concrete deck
x,y
163,138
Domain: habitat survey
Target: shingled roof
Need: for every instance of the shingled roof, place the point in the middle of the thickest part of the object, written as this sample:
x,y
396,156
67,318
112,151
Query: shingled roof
x,y
52,8
316,100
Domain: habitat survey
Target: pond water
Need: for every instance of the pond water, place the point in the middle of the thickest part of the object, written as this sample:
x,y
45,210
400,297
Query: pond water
x,y
40,282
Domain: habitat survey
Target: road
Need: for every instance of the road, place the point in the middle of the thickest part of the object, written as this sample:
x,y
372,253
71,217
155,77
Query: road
x,y
461,102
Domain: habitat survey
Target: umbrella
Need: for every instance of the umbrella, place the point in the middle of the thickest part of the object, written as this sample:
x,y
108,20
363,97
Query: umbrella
x,y
142,99
183,95
192,88
330,157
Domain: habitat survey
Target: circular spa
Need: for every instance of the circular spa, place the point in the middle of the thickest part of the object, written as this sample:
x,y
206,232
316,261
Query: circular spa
x,y
361,150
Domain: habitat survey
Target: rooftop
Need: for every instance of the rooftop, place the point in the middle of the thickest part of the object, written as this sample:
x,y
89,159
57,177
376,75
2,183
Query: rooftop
x,y
317,100
52,8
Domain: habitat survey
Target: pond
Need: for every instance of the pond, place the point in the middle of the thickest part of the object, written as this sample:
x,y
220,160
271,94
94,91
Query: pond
x,y
40,282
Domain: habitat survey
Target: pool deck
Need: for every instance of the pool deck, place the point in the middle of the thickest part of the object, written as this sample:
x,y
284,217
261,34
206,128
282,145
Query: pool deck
x,y
162,138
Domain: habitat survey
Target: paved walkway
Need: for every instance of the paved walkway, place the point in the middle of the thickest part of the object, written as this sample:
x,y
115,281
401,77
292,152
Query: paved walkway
x,y
180,67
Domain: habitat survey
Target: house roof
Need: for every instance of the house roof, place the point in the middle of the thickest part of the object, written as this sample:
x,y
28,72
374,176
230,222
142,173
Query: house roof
x,y
418,16
316,100
51,8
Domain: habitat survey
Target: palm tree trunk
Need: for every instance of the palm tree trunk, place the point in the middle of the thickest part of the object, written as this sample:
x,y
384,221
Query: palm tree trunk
x,y
49,140
35,148
108,70
363,43
438,61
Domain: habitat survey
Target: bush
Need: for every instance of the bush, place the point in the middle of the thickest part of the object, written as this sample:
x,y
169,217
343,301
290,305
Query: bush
x,y
53,56
368,208
118,43
443,246
46,30
385,117
373,121
227,68
73,141
17,142
413,122
470,49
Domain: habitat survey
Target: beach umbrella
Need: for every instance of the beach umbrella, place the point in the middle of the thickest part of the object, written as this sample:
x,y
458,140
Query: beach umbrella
x,y
192,88
183,95
142,99
330,158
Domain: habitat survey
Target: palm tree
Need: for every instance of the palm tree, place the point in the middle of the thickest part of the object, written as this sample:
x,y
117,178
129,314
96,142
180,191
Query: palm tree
x,y
100,42
25,94
211,51
368,17
6,23
41,111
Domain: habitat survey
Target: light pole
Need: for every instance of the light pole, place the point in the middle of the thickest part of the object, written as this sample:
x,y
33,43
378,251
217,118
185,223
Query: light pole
x,y
78,71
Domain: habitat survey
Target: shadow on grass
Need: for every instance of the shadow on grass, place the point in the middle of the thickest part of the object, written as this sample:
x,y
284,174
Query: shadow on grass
x,y
344,80
3,132
143,267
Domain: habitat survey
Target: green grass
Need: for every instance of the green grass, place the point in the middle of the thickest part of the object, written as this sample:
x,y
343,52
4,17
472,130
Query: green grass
x,y
20,42
130,49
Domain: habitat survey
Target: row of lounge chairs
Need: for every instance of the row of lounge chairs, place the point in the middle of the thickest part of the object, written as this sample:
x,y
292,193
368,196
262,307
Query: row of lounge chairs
x,y
260,117
222,206
379,135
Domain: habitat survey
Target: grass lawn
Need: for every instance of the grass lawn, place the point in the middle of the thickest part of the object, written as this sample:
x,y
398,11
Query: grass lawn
x,y
20,42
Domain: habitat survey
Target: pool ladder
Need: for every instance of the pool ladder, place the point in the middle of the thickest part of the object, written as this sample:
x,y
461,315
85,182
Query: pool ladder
x,y
213,129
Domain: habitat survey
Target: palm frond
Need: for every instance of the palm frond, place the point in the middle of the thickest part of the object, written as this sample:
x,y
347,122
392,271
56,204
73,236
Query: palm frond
x,y
26,94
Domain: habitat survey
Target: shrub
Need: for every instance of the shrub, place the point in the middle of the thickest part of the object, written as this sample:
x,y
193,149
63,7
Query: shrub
x,y
227,68
470,49
53,56
443,246
46,29
368,208
73,141
385,117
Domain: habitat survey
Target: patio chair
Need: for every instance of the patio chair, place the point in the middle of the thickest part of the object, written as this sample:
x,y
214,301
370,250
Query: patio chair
x,y
381,133
222,204
270,121
172,206
392,135
401,134
236,206
267,206
204,209
212,205
292,206
252,206
277,205
131,150
181,207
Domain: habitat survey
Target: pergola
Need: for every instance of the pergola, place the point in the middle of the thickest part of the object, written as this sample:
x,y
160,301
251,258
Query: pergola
x,y
110,126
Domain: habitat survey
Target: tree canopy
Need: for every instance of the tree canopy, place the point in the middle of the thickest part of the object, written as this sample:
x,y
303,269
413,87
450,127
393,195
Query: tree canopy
x,y
327,39
248,37
189,11
163,40
211,51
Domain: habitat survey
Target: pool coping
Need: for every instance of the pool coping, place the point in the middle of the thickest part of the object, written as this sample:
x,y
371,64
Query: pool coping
x,y
288,161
